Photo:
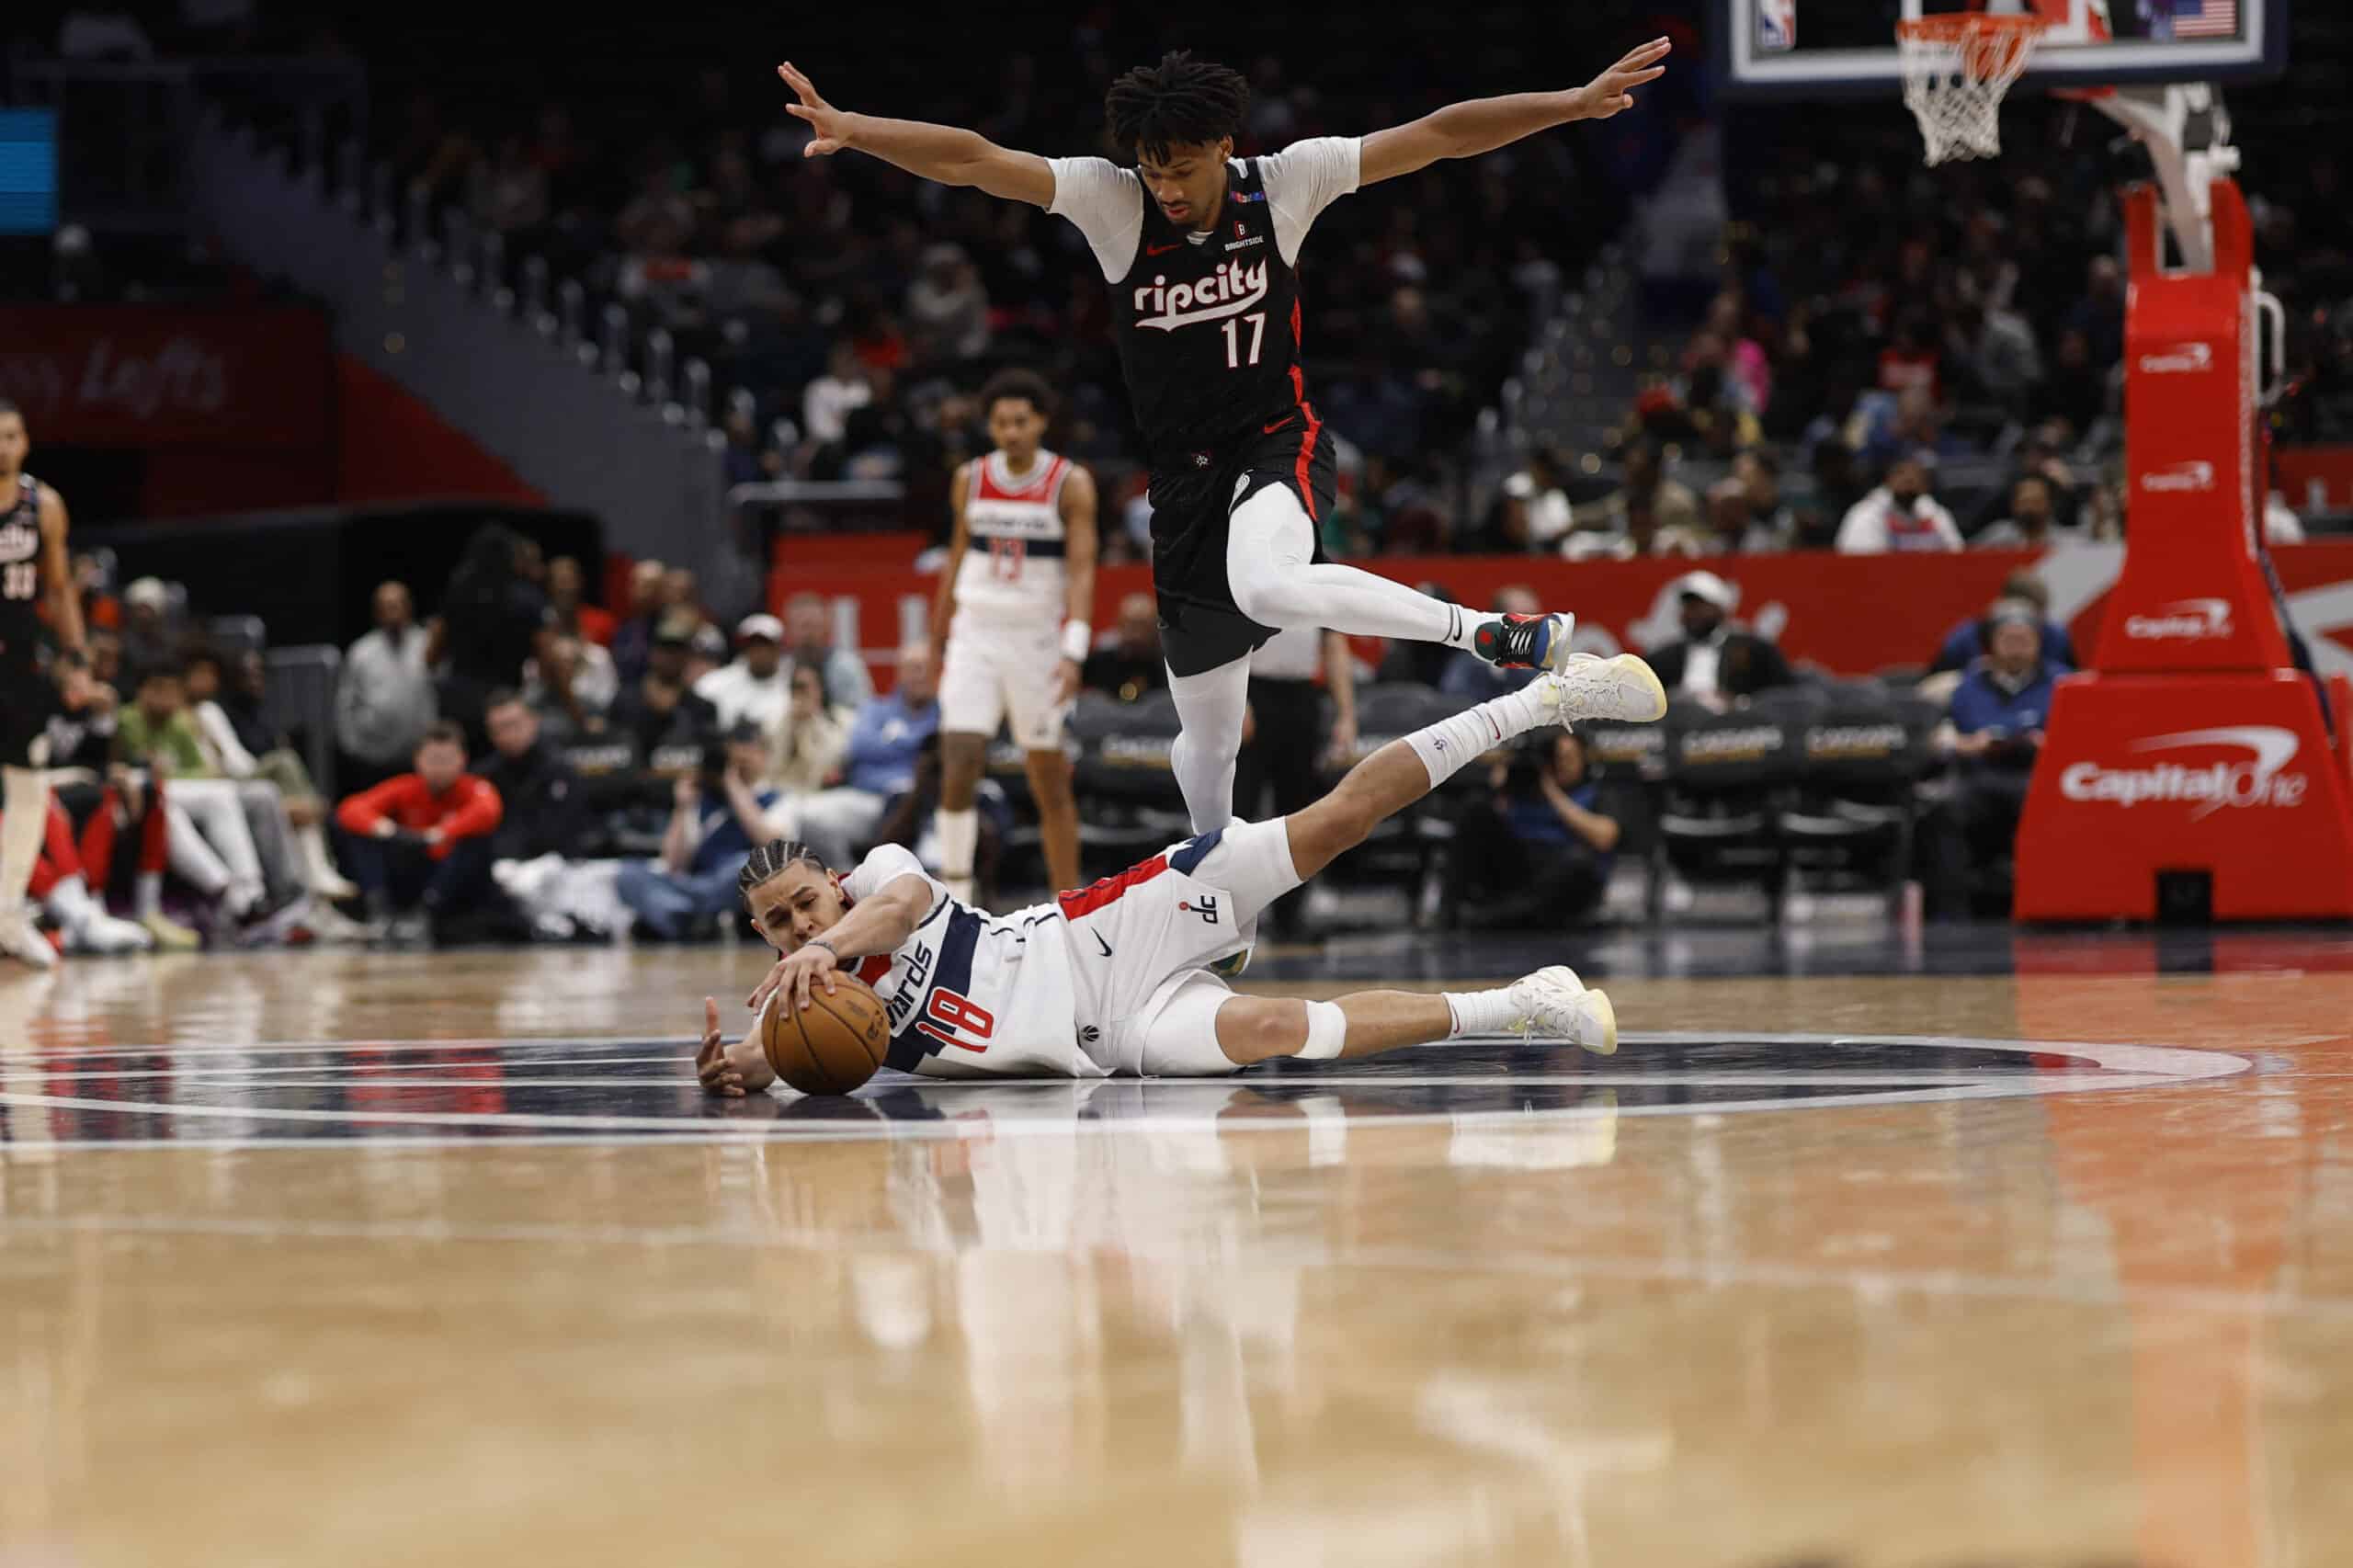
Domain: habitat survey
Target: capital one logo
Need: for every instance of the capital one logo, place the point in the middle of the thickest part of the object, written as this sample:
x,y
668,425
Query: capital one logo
x,y
2196,474
2255,780
2193,621
2182,359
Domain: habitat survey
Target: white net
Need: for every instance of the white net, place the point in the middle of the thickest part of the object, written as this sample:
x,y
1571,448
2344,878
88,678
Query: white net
x,y
1956,70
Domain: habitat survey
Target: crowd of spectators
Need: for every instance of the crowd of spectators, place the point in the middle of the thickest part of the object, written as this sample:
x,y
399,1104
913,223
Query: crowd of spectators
x,y
857,309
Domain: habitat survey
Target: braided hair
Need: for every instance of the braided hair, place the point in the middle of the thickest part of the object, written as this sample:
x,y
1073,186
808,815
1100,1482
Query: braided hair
x,y
771,860
1179,102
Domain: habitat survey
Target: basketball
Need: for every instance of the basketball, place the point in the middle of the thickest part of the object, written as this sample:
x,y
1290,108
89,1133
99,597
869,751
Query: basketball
x,y
831,1046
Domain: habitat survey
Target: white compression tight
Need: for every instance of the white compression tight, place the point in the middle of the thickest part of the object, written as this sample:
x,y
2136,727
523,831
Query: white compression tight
x,y
1270,565
1211,707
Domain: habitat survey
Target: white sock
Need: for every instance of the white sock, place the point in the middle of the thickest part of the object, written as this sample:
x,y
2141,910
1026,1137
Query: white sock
x,y
316,859
1448,745
1481,1012
151,895
24,798
960,839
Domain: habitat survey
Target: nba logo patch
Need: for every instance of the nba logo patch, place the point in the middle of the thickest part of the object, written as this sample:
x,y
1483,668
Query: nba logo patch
x,y
1777,26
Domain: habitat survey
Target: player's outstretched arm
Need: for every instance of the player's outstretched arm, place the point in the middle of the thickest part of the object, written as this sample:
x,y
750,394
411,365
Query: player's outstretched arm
x,y
939,152
878,925
1482,125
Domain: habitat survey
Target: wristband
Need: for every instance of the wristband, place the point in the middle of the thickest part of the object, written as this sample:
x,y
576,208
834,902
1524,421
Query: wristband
x,y
1078,641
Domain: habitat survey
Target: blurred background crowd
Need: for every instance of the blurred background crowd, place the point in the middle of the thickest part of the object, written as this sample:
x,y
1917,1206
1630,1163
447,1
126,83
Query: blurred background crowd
x,y
1702,331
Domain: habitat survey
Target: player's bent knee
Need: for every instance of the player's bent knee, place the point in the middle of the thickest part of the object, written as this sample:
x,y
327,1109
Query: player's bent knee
x,y
1258,1028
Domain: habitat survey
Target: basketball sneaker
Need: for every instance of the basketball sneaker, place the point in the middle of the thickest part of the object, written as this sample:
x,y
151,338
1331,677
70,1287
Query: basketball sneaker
x,y
170,936
1589,686
1555,1005
1230,966
19,940
1525,641
100,933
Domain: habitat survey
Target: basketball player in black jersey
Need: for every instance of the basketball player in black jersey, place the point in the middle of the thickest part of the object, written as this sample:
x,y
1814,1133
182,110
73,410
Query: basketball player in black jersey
x,y
33,568
1202,250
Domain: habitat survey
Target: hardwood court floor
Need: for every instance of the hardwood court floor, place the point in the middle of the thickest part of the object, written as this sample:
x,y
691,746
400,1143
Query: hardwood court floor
x,y
353,1259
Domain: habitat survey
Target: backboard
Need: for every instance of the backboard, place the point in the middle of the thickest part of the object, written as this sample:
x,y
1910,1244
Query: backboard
x,y
1822,48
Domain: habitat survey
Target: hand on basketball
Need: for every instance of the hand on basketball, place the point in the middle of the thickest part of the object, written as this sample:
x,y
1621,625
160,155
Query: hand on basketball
x,y
794,974
1066,682
830,124
1614,89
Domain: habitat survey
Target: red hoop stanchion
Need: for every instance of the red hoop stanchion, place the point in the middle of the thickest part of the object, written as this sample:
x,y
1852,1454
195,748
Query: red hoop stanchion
x,y
1956,70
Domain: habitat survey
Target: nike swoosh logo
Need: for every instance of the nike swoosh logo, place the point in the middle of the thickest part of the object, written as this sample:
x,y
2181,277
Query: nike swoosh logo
x,y
1162,250
1271,429
1101,943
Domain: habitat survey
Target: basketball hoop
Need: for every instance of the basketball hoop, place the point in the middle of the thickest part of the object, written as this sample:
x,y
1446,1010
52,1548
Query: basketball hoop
x,y
1956,69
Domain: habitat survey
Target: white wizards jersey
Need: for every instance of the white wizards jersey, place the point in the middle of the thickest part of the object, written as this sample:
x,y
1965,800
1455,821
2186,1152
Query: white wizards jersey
x,y
973,994
1013,567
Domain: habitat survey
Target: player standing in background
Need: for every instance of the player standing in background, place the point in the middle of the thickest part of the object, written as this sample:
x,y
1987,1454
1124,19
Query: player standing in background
x,y
1017,595
33,567
1201,250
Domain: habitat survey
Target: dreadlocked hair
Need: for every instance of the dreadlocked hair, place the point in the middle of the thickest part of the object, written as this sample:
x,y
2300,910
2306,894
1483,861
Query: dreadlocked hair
x,y
1179,102
771,860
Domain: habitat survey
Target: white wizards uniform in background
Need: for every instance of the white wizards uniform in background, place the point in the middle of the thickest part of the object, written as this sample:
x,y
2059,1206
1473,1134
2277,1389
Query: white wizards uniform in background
x,y
1005,643
1111,978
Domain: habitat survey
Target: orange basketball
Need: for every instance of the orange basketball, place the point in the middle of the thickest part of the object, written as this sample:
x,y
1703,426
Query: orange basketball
x,y
831,1046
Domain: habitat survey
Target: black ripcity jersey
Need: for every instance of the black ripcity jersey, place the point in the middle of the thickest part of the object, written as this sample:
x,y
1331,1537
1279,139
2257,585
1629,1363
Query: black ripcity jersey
x,y
1208,324
20,568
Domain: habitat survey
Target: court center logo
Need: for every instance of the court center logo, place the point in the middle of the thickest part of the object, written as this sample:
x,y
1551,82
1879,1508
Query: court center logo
x,y
2257,781
2194,621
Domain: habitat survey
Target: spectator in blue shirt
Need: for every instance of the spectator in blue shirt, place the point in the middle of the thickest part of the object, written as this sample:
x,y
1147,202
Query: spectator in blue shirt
x,y
715,821
1534,855
884,740
1965,641
1992,733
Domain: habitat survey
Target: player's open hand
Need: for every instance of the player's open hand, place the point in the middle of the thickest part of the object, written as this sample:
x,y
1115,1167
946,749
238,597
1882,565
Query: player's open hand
x,y
1067,679
710,1058
731,1073
830,124
1614,89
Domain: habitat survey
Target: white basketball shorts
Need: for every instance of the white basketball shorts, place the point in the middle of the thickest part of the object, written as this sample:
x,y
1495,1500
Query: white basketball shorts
x,y
1141,944
995,670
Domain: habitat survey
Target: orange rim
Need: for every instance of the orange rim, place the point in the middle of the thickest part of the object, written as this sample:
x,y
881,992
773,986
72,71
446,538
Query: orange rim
x,y
1988,46
1955,26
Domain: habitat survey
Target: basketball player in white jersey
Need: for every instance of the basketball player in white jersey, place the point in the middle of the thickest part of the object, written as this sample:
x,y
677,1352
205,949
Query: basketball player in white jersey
x,y
1202,251
1117,978
34,570
1016,594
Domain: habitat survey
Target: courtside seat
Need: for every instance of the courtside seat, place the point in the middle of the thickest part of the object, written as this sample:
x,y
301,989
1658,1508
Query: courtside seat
x,y
1129,804
1851,819
1716,821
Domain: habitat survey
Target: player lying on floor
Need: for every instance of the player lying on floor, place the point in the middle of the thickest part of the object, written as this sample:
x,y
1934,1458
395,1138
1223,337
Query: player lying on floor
x,y
1114,979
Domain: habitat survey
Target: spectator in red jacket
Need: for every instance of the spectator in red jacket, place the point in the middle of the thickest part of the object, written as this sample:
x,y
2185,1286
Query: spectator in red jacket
x,y
418,844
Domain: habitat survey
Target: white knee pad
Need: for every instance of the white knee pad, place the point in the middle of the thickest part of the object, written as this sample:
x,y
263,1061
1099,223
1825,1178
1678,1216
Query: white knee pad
x,y
1328,1032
